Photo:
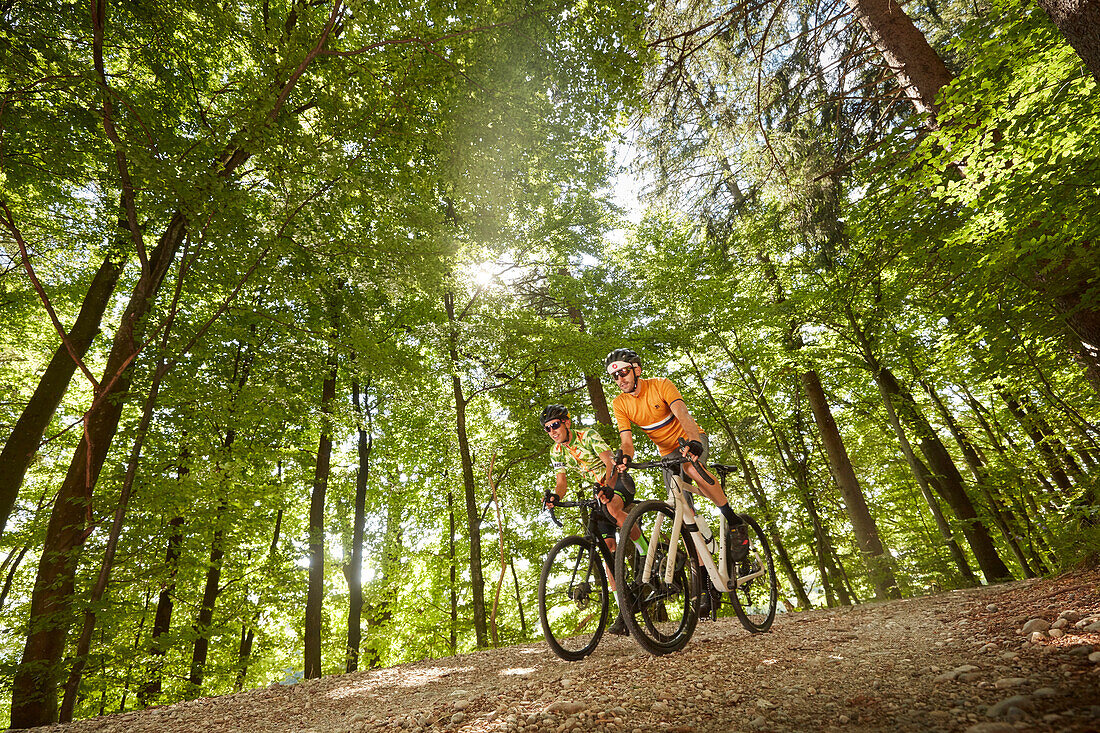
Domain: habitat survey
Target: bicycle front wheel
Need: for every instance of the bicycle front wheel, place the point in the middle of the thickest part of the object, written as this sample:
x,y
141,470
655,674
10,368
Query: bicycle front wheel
x,y
658,604
757,591
573,598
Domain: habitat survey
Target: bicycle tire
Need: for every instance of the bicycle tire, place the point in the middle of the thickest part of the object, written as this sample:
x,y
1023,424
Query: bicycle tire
x,y
660,616
573,598
755,601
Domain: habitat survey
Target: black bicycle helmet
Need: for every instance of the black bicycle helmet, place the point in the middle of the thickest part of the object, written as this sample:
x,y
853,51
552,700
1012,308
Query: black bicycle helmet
x,y
626,355
554,412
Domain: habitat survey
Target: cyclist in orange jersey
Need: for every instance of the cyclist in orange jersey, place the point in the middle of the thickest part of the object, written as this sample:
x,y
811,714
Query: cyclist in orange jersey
x,y
656,406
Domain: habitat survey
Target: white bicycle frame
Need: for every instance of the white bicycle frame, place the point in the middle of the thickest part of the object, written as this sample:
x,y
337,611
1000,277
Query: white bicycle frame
x,y
685,514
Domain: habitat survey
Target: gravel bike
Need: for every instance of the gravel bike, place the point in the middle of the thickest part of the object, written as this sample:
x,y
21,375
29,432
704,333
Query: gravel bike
x,y
659,593
573,592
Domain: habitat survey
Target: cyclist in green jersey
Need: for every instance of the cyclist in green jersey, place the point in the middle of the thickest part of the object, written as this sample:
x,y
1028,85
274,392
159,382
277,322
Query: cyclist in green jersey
x,y
587,454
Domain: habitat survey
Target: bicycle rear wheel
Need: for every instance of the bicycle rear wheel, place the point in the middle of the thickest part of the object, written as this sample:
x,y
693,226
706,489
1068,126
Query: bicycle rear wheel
x,y
755,598
660,614
573,598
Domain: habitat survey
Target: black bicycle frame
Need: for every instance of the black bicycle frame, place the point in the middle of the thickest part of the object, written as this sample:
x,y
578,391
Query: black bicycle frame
x,y
588,509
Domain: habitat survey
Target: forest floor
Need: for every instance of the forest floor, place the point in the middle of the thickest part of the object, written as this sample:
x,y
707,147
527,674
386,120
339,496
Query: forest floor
x,y
954,661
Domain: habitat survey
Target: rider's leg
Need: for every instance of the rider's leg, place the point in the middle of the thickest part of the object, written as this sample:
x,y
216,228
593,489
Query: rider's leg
x,y
703,606
618,627
738,542
712,490
617,509
738,531
610,542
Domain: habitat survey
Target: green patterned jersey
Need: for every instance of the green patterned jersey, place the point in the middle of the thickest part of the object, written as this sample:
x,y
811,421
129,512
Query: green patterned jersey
x,y
580,453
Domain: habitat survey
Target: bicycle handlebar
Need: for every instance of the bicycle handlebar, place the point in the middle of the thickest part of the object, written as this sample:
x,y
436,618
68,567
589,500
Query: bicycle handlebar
x,y
569,505
669,462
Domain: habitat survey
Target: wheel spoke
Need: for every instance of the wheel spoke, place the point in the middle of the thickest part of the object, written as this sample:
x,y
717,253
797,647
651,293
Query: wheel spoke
x,y
573,598
757,592
660,614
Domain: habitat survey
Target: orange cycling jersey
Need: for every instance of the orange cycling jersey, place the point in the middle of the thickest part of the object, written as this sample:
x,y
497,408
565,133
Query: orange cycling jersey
x,y
650,408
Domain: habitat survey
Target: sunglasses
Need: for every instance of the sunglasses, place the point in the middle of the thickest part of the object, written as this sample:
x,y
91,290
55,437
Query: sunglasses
x,y
552,425
614,376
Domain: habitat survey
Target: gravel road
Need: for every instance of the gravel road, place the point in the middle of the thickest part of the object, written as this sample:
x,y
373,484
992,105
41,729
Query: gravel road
x,y
1019,656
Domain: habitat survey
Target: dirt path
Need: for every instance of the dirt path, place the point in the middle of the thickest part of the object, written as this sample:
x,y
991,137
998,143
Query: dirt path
x,y
950,662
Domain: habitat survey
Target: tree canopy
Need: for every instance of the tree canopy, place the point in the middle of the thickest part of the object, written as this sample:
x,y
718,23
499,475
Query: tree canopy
x,y
286,285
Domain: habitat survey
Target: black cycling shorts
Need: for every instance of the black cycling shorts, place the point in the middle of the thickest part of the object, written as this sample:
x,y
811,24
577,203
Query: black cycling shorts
x,y
605,523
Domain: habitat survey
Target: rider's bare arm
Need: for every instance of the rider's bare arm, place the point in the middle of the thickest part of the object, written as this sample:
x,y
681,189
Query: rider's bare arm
x,y
609,464
560,486
627,443
680,411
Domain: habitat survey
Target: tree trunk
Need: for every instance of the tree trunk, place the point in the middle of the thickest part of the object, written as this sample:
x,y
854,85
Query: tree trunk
x,y
949,481
994,435
923,478
205,618
795,463
1025,508
244,655
941,473
34,691
473,514
835,575
879,567
919,70
1040,534
819,540
10,575
1035,417
248,634
752,480
353,571
1001,516
519,596
502,556
162,620
848,595
453,639
84,642
473,517
128,678
380,613
1057,470
597,397
315,593
242,368
1078,20
22,444
591,381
